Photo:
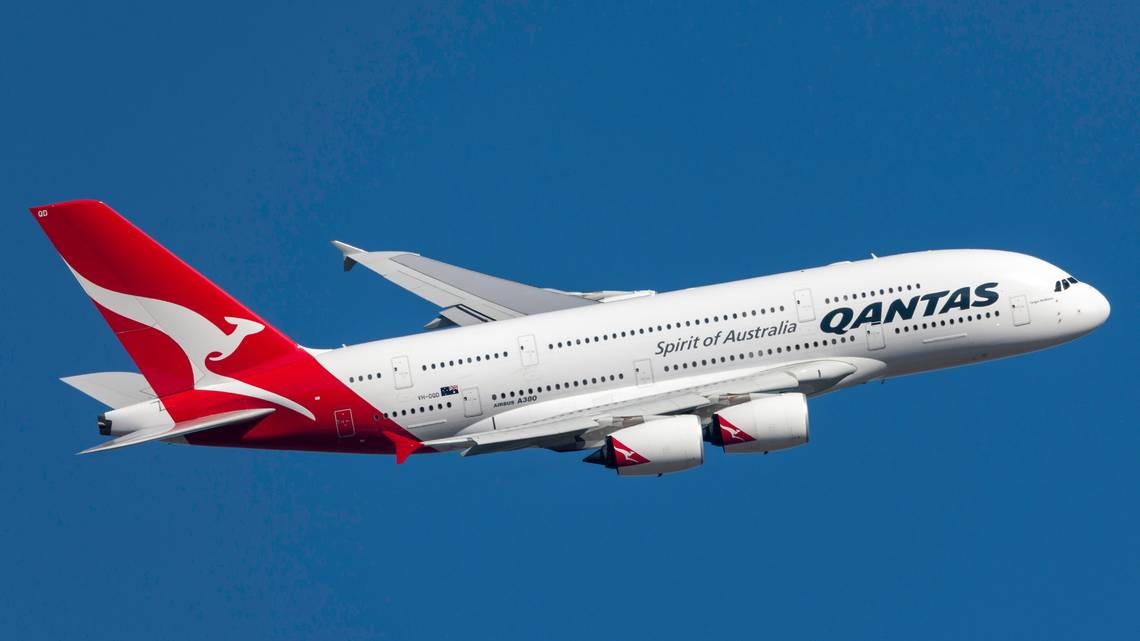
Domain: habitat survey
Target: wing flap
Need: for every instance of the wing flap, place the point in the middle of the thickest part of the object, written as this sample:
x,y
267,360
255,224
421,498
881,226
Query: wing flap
x,y
517,438
182,428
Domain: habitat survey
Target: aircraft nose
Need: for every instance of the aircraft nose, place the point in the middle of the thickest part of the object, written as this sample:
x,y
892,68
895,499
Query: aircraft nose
x,y
1102,305
1094,308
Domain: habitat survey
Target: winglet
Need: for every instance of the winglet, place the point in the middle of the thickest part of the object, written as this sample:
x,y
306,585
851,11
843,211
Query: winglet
x,y
349,251
404,446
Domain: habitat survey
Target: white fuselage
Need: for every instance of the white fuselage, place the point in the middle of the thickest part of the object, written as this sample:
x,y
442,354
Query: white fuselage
x,y
495,375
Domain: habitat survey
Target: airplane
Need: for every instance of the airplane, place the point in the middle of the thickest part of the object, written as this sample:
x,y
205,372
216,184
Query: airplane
x,y
641,380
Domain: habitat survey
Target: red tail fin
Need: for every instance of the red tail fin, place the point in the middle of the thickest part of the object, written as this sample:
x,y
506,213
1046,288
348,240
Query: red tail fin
x,y
177,326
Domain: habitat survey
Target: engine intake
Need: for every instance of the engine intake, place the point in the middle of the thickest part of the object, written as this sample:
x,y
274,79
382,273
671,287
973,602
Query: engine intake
x,y
761,425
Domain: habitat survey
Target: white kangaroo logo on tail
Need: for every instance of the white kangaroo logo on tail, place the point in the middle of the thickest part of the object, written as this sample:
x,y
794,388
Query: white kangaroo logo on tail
x,y
199,338
242,327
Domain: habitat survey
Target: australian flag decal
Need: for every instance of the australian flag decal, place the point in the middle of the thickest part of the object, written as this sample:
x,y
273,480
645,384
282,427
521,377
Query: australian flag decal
x,y
448,390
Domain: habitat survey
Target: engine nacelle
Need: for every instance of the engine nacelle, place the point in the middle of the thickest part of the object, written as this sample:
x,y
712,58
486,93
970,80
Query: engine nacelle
x,y
653,448
761,425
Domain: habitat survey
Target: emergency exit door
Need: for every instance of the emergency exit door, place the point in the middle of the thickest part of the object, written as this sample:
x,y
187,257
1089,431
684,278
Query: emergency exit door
x,y
875,338
1020,309
805,310
528,350
344,425
472,406
401,372
643,370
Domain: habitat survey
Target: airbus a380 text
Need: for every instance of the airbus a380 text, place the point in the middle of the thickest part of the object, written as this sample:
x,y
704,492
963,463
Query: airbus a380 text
x,y
638,379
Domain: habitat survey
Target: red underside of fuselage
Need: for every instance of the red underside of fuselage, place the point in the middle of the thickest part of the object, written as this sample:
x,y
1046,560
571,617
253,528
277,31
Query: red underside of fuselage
x,y
319,440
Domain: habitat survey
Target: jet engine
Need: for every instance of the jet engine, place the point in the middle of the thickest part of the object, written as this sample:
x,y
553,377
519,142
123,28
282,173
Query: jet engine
x,y
761,425
653,448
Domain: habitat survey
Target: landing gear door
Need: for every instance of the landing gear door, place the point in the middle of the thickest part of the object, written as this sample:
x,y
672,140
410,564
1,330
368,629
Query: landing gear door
x,y
401,372
1020,309
471,404
875,338
805,310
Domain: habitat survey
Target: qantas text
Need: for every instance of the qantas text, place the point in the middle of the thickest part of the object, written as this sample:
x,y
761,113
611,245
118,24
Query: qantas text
x,y
843,319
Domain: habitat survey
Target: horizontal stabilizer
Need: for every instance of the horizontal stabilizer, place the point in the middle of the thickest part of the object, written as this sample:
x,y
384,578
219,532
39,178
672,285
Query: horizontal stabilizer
x,y
113,389
181,428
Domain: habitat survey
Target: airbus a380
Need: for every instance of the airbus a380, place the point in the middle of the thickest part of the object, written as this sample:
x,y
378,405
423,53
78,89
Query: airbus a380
x,y
639,379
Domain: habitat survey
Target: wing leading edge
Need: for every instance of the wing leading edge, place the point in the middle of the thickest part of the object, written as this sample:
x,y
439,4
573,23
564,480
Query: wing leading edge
x,y
469,297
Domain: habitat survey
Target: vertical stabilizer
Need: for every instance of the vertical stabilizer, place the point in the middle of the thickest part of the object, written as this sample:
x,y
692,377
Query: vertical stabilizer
x,y
180,329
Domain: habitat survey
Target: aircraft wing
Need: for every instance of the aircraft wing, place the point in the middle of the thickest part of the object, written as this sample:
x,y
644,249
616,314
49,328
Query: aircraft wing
x,y
583,422
469,297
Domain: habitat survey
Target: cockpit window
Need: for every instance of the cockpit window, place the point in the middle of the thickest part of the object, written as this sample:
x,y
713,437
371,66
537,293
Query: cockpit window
x,y
1064,283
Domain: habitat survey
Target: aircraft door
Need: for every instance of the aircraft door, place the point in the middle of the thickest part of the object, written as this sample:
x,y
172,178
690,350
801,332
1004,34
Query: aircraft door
x,y
644,371
1020,309
471,404
344,425
875,338
401,372
804,308
528,350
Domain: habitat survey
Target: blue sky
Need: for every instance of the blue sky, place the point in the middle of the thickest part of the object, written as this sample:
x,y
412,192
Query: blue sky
x,y
582,148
